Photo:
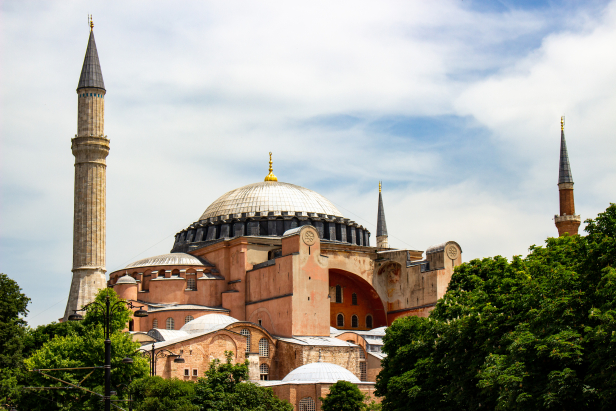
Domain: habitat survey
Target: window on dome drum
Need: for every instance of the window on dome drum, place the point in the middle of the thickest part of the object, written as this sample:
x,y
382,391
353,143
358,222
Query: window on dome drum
x,y
362,371
369,321
175,273
170,324
154,323
338,294
188,319
263,347
354,299
264,371
246,333
354,322
307,404
191,283
340,320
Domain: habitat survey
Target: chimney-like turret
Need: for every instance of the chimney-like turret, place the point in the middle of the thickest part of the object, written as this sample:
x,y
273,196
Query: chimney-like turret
x,y
381,225
567,221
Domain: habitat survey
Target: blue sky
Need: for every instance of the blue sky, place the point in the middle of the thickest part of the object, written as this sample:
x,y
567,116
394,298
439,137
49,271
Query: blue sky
x,y
455,105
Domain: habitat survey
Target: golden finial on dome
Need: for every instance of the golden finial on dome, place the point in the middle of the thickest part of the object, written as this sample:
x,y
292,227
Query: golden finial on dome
x,y
91,22
379,186
562,123
271,176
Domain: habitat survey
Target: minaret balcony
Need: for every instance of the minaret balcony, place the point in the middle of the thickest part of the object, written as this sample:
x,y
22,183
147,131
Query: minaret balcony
x,y
561,218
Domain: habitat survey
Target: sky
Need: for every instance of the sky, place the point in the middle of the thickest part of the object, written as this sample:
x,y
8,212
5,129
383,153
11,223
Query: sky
x,y
454,105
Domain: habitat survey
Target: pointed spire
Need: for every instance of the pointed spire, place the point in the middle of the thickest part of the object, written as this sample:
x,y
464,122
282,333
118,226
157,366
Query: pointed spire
x,y
91,74
564,170
271,176
381,225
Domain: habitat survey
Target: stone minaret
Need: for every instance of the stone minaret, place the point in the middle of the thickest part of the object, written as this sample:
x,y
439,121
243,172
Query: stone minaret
x,y
90,148
381,225
567,221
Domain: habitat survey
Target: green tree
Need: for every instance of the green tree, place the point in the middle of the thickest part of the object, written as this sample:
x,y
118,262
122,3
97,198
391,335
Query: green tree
x,y
224,389
82,346
343,396
158,394
534,333
13,306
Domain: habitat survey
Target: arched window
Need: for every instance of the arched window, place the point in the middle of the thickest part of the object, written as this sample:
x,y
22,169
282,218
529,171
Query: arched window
x,y
246,333
307,404
170,325
340,320
264,371
263,347
338,294
175,273
369,321
154,323
354,299
354,321
188,318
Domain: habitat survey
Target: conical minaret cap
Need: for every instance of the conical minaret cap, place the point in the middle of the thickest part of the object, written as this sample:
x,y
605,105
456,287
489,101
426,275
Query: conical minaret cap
x,y
91,74
564,169
381,224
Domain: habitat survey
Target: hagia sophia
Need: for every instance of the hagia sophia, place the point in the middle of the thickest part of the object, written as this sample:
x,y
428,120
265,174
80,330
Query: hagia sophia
x,y
271,271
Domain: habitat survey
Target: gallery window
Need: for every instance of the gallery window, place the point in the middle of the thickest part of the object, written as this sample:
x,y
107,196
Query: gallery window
x,y
307,404
369,321
154,323
340,320
362,371
263,347
170,325
191,283
188,318
264,372
246,333
354,299
338,294
354,321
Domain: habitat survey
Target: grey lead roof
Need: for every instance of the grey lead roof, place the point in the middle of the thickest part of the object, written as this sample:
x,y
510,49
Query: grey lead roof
x,y
91,74
564,170
381,225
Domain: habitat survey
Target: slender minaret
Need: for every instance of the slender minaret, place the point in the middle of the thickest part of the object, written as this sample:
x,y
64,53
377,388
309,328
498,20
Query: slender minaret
x,y
567,221
381,225
90,148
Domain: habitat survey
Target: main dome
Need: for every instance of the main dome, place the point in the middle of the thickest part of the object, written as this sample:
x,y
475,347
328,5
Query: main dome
x,y
270,196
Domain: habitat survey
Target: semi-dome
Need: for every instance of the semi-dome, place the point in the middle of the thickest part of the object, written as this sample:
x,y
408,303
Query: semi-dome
x,y
168,259
126,279
208,322
270,196
321,372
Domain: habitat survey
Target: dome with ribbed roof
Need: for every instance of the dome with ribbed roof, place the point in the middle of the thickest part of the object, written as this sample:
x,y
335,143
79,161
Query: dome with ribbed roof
x,y
208,322
168,259
270,196
321,372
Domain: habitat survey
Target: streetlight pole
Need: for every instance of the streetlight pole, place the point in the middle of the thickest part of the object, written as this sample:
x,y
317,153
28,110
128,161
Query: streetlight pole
x,y
107,310
153,354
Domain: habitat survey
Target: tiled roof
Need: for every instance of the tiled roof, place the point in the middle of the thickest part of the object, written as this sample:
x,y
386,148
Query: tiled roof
x,y
91,74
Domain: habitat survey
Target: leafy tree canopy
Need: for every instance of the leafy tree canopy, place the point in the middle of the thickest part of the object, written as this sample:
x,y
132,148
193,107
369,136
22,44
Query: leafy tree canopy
x,y
343,396
536,333
223,389
72,346
13,305
158,394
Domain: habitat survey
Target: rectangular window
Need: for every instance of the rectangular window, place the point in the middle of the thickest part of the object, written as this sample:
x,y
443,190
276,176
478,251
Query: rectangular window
x,y
186,372
362,371
195,372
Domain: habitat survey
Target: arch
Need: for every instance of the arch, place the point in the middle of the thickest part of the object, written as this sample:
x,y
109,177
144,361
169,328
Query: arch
x,y
188,319
369,321
263,347
307,404
254,316
155,323
340,320
354,321
170,323
264,372
246,333
175,273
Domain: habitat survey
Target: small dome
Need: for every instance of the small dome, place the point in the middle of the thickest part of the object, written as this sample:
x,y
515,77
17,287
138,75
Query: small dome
x,y
321,372
126,279
270,196
208,322
168,259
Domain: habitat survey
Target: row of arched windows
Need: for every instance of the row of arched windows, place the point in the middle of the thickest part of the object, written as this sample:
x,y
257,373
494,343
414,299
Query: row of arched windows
x,y
354,321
